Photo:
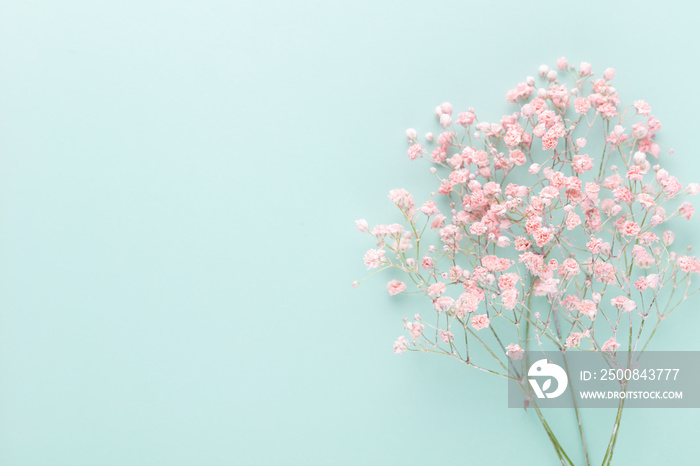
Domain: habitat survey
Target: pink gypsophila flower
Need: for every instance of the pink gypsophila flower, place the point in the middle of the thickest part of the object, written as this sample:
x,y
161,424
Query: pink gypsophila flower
x,y
374,257
395,287
610,345
514,351
480,321
400,345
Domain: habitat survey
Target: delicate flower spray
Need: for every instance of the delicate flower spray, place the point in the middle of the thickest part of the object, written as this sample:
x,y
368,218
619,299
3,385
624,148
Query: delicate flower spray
x,y
549,229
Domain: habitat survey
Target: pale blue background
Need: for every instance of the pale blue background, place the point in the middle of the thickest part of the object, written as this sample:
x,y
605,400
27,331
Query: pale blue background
x,y
178,185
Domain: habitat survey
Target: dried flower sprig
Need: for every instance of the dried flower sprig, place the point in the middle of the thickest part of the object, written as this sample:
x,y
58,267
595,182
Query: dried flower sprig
x,y
551,228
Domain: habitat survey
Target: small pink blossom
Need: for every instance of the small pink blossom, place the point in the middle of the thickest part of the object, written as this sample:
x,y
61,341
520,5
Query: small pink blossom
x,y
514,351
374,257
436,289
588,308
573,340
480,321
362,225
400,345
622,303
477,228
395,287
415,329
581,105
686,210
642,107
446,336
611,345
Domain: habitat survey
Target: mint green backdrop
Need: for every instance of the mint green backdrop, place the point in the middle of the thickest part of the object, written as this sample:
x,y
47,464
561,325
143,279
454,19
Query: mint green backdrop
x,y
179,182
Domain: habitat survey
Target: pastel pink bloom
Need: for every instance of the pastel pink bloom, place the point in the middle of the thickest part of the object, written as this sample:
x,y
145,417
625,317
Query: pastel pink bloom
x,y
610,345
446,336
570,266
429,208
623,303
542,236
687,210
465,119
652,280
641,284
508,281
491,188
459,176
642,107
604,272
584,68
581,105
572,221
582,163
445,120
588,308
400,345
411,134
573,340
503,242
480,321
510,298
668,237
562,63
514,351
517,157
438,222
630,229
362,225
513,136
689,264
477,228
426,263
374,257
415,151
549,141
646,200
446,108
635,173
622,194
609,73
436,289
395,287
443,303
415,329
467,302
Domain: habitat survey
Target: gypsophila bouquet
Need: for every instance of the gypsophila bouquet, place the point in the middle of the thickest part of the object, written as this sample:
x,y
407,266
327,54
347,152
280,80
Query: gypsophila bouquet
x,y
548,228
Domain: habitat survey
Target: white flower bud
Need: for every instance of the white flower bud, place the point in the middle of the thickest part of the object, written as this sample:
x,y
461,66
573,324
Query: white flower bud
x,y
445,120
503,242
